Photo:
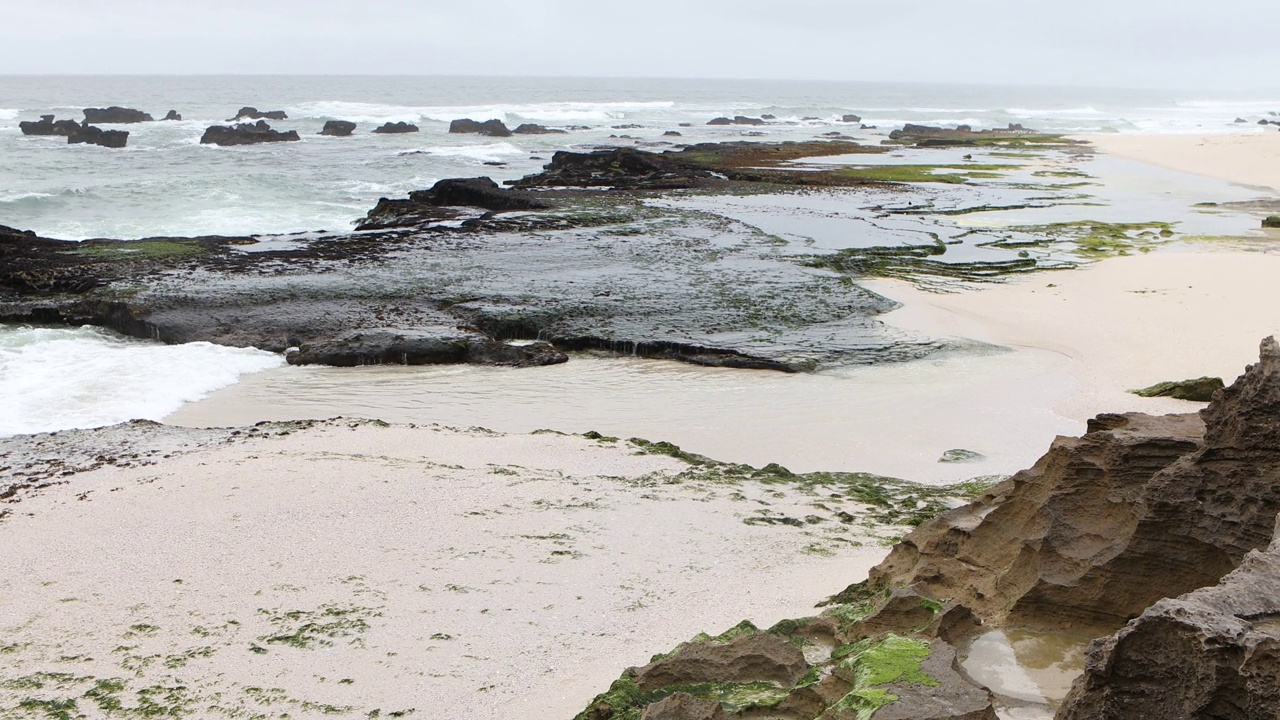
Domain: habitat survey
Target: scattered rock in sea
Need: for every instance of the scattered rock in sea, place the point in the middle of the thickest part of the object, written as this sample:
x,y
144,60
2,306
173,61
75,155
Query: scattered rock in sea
x,y
720,121
1271,221
961,135
493,128
809,118
1198,390
1240,120
115,115
767,116
395,128
685,124
90,135
736,120
253,113
46,125
246,134
672,133
338,128
851,118
172,115
532,129
628,126
960,455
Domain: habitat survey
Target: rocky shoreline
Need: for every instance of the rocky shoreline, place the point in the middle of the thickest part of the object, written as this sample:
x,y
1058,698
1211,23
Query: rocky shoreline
x,y
1155,533
578,256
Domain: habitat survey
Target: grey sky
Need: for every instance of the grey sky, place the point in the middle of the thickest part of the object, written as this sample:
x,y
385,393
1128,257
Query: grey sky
x,y
1227,45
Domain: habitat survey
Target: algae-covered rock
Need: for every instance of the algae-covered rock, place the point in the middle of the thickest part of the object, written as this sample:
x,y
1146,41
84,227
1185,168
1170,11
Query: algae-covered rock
x,y
1271,221
960,455
1198,390
683,706
748,657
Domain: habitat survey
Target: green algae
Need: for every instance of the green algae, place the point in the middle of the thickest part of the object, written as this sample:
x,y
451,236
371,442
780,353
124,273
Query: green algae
x,y
175,248
915,263
1092,238
1196,390
950,174
876,662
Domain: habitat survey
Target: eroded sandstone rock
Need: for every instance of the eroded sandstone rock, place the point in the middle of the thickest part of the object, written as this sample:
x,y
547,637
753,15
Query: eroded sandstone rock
x,y
1212,653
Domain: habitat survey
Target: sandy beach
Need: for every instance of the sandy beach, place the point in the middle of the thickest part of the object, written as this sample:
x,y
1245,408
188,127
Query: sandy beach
x,y
351,567
1246,159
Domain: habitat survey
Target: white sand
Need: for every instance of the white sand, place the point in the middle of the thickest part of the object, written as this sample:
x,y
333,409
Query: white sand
x,y
1245,159
497,575
1123,323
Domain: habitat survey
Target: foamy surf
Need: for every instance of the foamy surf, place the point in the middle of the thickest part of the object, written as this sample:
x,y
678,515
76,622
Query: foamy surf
x,y
62,378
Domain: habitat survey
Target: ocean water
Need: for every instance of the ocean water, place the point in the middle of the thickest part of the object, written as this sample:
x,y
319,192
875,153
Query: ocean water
x,y
166,183
59,378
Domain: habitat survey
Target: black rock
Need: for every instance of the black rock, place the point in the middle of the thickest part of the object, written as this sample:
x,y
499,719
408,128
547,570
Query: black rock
x,y
46,125
767,116
115,115
532,129
743,120
628,126
338,128
720,121
245,134
172,115
395,128
808,118
672,133
851,118
494,128
91,135
252,113
481,192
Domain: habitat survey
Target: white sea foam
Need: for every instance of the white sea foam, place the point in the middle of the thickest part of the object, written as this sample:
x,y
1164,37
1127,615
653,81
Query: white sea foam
x,y
8,114
10,197
562,112
61,378
483,153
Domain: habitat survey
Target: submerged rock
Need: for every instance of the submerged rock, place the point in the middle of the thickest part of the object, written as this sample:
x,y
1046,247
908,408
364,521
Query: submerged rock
x,y
90,135
246,134
494,128
253,113
394,128
115,115
46,125
1198,390
338,128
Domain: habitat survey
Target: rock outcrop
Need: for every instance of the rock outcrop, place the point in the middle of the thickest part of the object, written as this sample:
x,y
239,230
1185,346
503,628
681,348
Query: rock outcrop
x,y
90,135
253,113
851,118
421,347
534,129
959,136
338,128
46,125
1212,653
1197,390
246,134
494,128
1094,536
115,115
172,115
736,120
395,128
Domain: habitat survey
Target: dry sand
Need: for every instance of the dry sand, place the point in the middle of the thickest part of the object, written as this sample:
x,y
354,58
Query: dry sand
x,y
1246,159
1123,323
354,567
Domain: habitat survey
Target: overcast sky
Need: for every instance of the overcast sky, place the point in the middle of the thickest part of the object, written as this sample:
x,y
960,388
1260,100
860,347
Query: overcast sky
x,y
1227,44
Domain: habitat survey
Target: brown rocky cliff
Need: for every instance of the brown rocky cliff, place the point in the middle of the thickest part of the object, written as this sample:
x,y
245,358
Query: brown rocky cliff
x,y
1213,653
1139,509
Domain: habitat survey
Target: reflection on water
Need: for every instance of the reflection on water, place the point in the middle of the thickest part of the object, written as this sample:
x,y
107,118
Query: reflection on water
x,y
1030,672
893,419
